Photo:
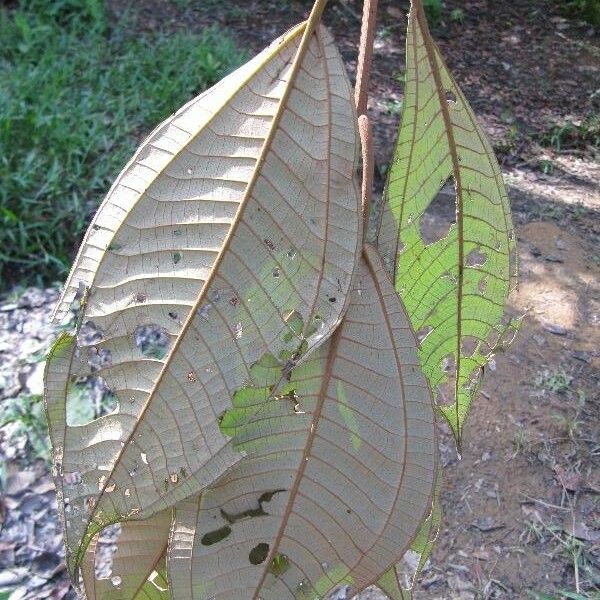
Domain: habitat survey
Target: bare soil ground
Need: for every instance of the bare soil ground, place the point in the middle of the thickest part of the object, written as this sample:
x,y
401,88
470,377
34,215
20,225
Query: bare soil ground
x,y
522,506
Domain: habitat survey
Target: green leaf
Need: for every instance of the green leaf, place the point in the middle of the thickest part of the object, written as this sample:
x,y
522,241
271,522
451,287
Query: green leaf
x,y
454,288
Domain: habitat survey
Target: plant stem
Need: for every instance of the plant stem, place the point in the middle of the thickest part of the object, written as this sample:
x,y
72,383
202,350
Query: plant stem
x,y
365,55
361,97
368,165
315,16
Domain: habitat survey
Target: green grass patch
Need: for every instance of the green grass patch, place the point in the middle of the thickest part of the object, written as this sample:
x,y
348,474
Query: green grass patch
x,y
77,94
572,135
586,10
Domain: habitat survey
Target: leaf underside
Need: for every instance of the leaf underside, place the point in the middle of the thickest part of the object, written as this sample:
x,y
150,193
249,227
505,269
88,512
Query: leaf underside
x,y
137,569
454,288
234,222
399,581
339,467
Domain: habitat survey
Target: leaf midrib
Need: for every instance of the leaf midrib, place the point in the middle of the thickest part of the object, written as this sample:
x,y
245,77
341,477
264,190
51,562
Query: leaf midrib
x,y
448,126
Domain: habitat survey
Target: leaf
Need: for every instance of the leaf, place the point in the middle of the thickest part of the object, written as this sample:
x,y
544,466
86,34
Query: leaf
x,y
237,214
136,564
399,581
339,467
454,288
59,365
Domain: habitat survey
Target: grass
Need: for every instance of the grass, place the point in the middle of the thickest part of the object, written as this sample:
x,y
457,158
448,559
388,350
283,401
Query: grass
x,y
557,381
26,414
587,10
77,94
572,135
571,550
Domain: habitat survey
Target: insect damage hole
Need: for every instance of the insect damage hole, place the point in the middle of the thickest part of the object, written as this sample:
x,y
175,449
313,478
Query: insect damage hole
x,y
445,392
106,548
216,536
259,553
469,345
440,214
475,258
89,334
152,340
422,333
450,97
88,398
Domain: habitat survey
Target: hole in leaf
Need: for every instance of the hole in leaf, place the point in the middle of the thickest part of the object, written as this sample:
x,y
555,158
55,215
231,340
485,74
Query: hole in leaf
x,y
332,299
216,536
423,333
152,340
89,334
295,324
89,398
451,276
445,391
493,338
73,478
473,380
176,257
468,345
475,258
173,315
99,358
440,214
449,364
450,97
106,548
139,298
203,311
276,273
482,285
251,513
259,553
239,331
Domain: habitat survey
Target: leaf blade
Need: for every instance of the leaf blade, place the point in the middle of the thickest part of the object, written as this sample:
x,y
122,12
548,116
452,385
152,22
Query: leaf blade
x,y
330,492
452,299
140,552
289,249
